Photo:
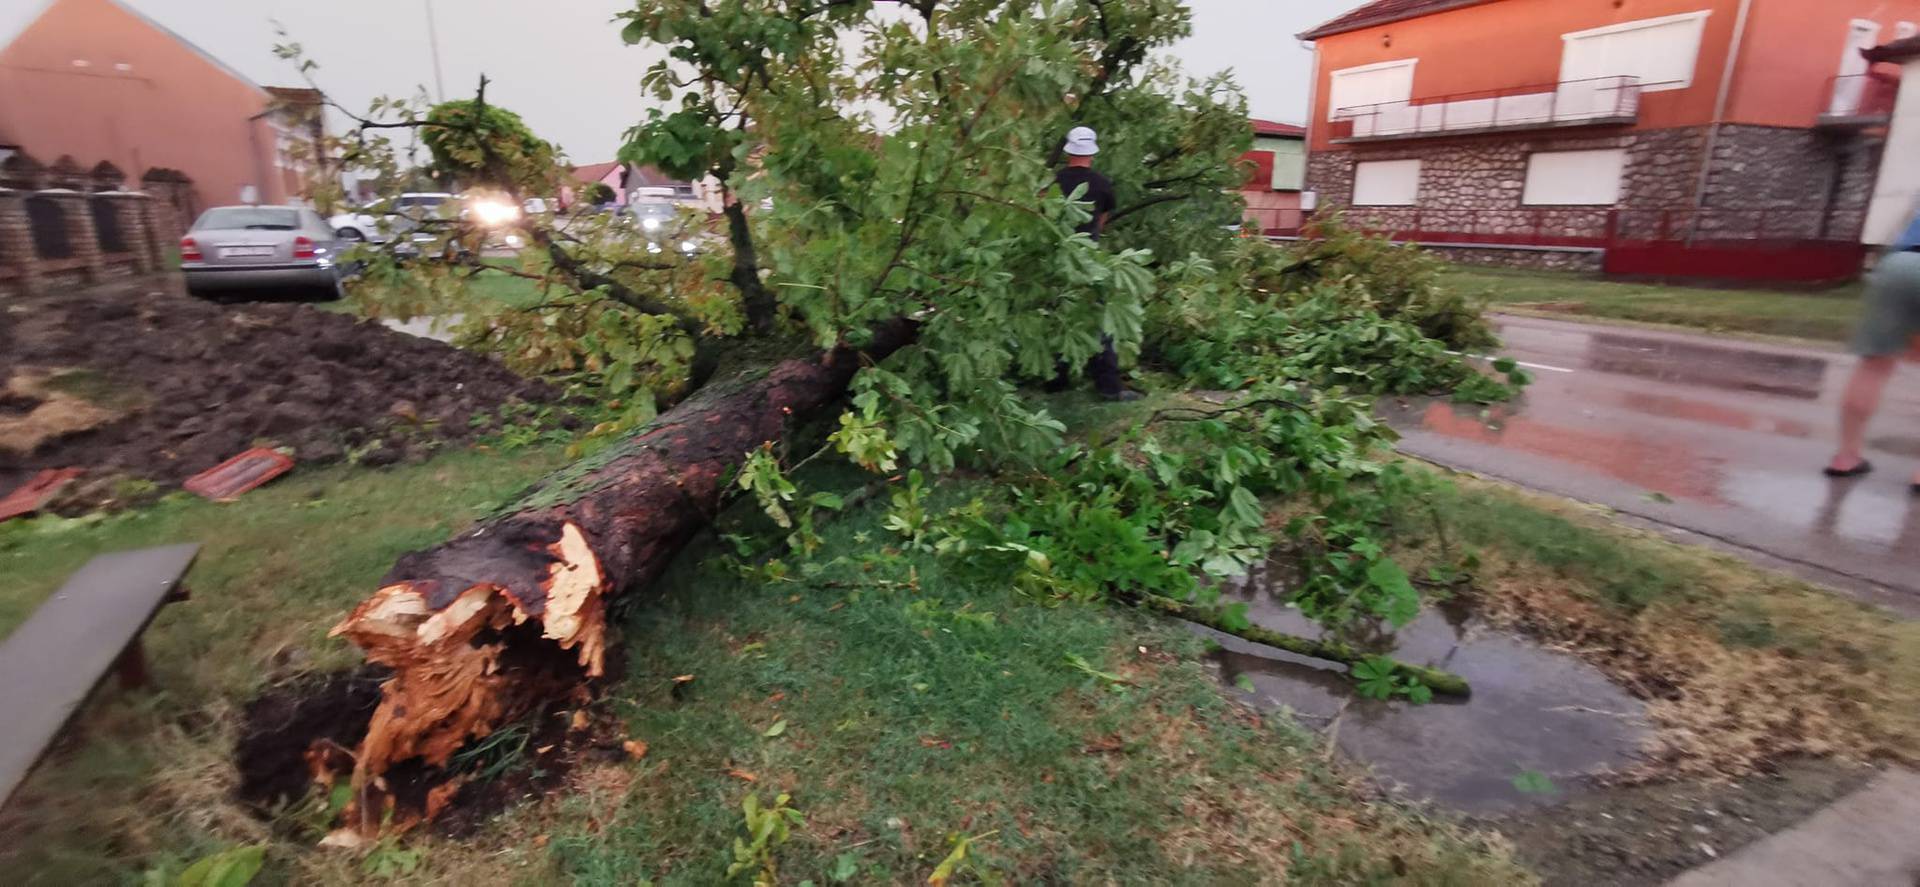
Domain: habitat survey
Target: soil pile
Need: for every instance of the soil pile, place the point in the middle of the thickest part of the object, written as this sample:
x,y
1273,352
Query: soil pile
x,y
181,385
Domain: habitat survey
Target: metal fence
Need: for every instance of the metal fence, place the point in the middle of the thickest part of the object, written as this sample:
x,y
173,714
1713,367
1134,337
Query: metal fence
x,y
48,222
1567,103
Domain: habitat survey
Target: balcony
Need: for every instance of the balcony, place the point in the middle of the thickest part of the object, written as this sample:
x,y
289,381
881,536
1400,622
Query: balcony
x,y
1858,101
1601,101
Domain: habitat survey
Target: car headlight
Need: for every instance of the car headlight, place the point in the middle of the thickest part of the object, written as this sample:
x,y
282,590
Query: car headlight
x,y
650,224
652,247
495,212
687,246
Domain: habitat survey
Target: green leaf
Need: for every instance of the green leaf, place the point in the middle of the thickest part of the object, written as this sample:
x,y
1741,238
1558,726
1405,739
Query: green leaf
x,y
233,867
1244,683
1533,782
845,866
779,727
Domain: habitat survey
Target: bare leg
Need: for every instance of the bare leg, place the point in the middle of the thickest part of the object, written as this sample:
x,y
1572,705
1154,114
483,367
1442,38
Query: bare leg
x,y
1857,408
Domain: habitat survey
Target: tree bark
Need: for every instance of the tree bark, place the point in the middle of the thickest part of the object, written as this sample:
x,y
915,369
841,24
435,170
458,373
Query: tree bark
x,y
489,625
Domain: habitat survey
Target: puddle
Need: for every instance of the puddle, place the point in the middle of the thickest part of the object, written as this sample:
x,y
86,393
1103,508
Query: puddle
x,y
1532,710
1714,366
437,328
1646,462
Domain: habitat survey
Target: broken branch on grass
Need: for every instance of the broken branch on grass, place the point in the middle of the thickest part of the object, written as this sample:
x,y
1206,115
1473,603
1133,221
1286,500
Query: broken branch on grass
x,y
1443,682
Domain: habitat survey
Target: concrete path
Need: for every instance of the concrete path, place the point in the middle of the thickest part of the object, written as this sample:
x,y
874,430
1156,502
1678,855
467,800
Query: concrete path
x,y
1870,838
1718,439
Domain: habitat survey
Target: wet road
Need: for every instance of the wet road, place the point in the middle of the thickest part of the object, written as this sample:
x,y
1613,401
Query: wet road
x,y
1731,436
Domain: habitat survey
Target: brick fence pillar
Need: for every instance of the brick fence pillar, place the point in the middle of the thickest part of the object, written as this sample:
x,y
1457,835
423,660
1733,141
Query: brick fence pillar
x,y
163,234
80,234
129,208
16,241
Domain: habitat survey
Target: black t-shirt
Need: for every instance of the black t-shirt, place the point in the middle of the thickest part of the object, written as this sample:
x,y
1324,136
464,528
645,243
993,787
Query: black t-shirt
x,y
1099,193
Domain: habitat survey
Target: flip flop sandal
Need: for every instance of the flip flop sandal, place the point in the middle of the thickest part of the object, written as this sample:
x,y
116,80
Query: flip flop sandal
x,y
1855,471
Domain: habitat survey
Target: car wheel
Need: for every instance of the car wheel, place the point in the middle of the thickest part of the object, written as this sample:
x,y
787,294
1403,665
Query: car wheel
x,y
352,234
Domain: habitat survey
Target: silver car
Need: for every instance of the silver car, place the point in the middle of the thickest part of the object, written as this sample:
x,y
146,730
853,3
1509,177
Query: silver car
x,y
277,248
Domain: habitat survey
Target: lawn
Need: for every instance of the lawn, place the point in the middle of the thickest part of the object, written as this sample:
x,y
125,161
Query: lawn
x,y
1825,315
901,708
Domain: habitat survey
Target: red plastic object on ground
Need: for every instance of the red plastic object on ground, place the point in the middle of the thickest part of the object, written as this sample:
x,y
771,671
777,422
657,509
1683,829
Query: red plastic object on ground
x,y
36,492
226,481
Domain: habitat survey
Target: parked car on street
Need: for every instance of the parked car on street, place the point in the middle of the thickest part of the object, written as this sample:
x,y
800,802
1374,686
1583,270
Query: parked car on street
x,y
232,249
658,221
387,220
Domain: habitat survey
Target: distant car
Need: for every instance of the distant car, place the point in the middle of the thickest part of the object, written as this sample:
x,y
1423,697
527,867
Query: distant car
x,y
658,222
231,249
402,215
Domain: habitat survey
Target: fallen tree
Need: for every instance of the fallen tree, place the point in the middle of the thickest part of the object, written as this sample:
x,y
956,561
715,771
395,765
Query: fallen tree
x,y
834,231
540,574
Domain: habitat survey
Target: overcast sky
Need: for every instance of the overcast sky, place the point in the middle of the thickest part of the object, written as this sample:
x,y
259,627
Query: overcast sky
x,y
561,65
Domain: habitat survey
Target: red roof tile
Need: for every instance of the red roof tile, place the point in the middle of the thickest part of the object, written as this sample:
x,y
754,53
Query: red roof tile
x,y
1274,128
1381,12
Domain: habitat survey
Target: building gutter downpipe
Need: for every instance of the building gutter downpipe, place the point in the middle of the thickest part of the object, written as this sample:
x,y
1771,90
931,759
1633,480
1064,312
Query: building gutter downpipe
x,y
1719,117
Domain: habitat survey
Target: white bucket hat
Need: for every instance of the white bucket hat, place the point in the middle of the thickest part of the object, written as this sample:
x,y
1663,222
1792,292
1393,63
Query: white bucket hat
x,y
1081,142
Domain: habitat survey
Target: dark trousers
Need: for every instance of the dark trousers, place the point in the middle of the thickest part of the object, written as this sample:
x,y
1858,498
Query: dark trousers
x,y
1104,367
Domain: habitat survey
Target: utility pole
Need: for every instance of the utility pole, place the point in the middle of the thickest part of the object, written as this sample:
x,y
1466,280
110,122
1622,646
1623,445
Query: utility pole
x,y
433,43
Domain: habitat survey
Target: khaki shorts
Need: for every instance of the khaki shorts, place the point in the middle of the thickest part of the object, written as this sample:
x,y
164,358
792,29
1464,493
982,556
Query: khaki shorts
x,y
1892,317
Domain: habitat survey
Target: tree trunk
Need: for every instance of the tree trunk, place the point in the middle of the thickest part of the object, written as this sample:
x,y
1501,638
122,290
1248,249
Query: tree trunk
x,y
487,626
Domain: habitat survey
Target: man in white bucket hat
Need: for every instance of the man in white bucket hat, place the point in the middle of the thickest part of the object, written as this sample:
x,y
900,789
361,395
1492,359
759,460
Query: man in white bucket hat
x,y
1082,144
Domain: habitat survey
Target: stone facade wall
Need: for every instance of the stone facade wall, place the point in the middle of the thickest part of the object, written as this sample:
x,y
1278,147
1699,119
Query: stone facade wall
x,y
1524,259
1788,183
1810,185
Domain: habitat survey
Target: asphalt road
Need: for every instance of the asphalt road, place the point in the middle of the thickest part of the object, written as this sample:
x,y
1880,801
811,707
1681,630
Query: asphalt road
x,y
1711,439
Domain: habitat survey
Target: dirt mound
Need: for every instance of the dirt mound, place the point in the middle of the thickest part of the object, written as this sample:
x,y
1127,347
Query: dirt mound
x,y
191,383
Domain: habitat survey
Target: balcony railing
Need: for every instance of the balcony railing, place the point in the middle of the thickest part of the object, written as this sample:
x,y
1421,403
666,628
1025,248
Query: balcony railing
x,y
1859,100
1592,102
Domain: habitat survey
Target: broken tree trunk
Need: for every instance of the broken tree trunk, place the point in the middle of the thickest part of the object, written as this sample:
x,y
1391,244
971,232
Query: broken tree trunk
x,y
487,626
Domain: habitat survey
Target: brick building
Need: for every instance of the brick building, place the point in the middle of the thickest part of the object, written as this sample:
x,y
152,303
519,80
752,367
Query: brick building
x,y
96,80
1714,138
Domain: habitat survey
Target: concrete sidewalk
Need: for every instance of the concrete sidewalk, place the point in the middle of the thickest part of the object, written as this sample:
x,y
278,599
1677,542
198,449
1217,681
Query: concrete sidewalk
x,y
1870,838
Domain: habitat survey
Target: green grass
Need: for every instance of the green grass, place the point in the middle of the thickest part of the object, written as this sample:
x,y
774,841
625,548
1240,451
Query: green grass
x,y
143,776
1827,315
940,706
919,705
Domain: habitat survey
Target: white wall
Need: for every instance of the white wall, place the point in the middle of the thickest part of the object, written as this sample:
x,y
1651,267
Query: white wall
x,y
1897,192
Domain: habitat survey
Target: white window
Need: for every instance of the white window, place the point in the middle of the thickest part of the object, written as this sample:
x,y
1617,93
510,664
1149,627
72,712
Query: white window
x,y
1575,178
1361,87
1903,30
1289,165
1386,183
1661,52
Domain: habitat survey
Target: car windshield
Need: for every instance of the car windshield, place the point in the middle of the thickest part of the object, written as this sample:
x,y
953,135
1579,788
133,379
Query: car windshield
x,y
248,218
652,210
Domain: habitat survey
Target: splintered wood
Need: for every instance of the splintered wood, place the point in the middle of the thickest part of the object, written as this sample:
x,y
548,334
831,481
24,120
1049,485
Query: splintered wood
x,y
501,620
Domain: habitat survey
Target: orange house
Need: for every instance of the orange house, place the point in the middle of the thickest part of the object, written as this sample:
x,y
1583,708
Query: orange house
x,y
1571,133
96,80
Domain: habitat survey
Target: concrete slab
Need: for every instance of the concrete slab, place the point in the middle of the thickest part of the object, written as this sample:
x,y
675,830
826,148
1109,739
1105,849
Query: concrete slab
x,y
1870,838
